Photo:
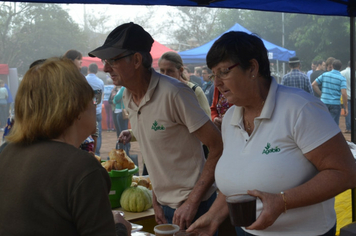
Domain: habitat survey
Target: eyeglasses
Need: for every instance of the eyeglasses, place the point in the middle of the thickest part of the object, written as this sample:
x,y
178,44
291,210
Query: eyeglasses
x,y
111,62
222,74
97,97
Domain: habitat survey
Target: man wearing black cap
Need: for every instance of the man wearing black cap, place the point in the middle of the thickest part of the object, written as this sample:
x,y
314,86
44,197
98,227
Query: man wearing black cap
x,y
169,125
295,78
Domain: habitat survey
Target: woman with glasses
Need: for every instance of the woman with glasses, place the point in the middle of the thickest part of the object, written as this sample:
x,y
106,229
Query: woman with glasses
x,y
280,145
48,185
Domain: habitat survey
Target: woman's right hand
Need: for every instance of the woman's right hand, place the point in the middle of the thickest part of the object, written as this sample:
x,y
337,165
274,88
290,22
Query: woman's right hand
x,y
125,136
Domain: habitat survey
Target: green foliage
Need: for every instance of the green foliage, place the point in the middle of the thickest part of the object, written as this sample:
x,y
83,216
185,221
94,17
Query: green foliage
x,y
31,31
194,25
311,36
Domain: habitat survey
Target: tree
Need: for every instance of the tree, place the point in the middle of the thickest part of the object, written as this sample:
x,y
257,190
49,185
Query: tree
x,y
193,26
31,31
311,36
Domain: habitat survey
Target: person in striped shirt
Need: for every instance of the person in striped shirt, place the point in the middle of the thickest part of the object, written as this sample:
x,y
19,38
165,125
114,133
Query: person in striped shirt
x,y
333,86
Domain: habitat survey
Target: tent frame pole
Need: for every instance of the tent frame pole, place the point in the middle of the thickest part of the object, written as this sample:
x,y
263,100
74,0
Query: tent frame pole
x,y
352,110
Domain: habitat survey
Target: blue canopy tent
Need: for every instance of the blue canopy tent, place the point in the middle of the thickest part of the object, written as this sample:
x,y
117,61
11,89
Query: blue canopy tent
x,y
198,55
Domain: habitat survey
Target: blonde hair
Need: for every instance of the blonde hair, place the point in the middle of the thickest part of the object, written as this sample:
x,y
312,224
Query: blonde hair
x,y
50,97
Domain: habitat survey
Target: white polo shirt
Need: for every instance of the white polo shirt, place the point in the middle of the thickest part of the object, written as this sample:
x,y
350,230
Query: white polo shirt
x,y
291,123
163,124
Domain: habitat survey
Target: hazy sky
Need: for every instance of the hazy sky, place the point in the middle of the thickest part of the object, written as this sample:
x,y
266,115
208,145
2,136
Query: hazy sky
x,y
115,13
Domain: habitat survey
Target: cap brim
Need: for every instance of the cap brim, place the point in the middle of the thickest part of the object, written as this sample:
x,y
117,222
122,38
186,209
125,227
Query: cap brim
x,y
106,52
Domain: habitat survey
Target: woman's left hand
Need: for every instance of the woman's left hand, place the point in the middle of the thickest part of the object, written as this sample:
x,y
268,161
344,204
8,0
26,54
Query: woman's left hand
x,y
273,206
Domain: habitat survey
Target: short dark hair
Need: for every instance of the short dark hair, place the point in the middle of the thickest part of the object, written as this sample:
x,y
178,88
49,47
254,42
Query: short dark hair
x,y
73,54
93,68
207,69
198,70
337,64
320,62
329,61
240,47
37,62
84,70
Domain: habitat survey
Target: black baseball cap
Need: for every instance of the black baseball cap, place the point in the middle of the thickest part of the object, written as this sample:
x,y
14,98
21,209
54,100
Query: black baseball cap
x,y
128,36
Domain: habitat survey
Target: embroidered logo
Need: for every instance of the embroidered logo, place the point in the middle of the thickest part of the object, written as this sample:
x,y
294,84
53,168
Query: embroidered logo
x,y
156,127
269,150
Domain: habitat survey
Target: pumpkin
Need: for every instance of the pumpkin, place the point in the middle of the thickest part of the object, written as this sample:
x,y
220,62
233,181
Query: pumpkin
x,y
136,199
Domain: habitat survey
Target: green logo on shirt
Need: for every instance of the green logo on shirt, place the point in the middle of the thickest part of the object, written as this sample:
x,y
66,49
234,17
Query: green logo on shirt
x,y
269,150
156,127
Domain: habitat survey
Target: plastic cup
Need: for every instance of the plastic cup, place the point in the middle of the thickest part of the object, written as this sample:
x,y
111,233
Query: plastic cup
x,y
242,209
166,229
185,233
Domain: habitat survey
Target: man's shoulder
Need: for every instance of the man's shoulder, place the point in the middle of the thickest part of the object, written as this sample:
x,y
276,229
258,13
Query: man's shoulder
x,y
94,80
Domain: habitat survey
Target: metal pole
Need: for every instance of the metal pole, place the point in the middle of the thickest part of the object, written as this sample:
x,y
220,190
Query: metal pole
x,y
352,110
284,64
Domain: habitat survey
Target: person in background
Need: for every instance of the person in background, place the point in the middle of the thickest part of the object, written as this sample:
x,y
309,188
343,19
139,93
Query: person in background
x,y
98,87
191,77
90,143
113,108
168,123
75,56
84,70
109,114
295,78
122,124
198,73
313,68
294,165
171,64
219,107
333,86
347,74
4,113
10,100
320,69
60,190
329,63
208,86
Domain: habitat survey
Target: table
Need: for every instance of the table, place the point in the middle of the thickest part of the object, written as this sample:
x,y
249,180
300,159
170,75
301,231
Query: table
x,y
145,218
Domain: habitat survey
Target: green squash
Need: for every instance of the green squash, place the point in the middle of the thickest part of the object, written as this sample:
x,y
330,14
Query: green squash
x,y
136,199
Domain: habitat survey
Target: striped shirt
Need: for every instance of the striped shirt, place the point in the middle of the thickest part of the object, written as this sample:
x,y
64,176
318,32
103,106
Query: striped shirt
x,y
297,79
331,84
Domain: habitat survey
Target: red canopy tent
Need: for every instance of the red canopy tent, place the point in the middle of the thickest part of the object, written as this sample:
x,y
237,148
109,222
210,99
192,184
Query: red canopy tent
x,y
156,52
4,69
